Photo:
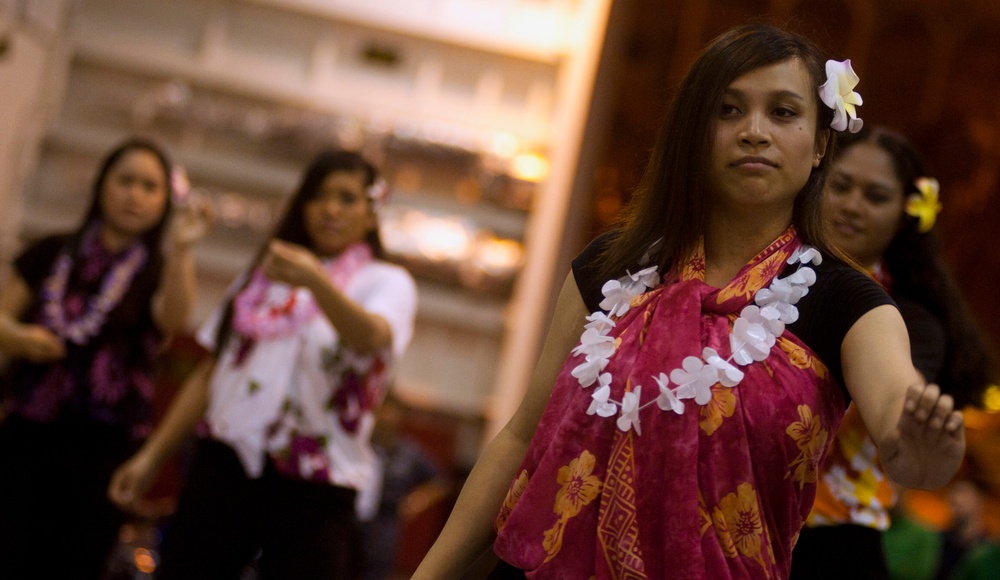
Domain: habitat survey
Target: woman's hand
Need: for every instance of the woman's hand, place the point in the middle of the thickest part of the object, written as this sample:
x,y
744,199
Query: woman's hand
x,y
39,344
190,223
929,441
292,264
132,480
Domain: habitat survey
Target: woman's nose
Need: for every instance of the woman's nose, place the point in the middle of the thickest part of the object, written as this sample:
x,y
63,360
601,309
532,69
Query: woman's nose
x,y
754,131
852,201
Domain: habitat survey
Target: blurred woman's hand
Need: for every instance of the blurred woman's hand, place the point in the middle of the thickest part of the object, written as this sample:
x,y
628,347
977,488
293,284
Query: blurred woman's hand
x,y
130,482
292,264
39,344
191,222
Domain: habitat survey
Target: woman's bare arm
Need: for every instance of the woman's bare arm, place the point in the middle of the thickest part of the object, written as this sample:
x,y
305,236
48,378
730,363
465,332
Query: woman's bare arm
x,y
919,434
18,340
134,477
469,530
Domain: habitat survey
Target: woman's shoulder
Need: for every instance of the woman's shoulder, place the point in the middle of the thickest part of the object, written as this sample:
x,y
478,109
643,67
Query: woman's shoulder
x,y
838,281
381,272
386,268
38,255
48,244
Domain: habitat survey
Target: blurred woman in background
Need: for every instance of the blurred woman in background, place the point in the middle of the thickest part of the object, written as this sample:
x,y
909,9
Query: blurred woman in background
x,y
81,318
881,208
302,353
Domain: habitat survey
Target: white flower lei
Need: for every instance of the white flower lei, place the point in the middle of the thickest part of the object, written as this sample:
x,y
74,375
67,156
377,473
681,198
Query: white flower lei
x,y
751,339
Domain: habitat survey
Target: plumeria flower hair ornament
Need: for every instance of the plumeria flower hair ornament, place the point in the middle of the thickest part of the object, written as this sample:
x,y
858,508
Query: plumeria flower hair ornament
x,y
378,192
924,205
838,94
179,182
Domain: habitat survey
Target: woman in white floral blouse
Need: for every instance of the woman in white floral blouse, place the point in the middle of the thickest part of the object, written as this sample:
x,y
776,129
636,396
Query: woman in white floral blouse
x,y
302,353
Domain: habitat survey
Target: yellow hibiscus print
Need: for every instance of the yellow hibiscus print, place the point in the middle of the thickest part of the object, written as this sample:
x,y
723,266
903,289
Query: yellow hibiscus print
x,y
579,488
753,279
703,515
743,522
721,406
811,440
796,354
552,540
721,526
513,495
694,269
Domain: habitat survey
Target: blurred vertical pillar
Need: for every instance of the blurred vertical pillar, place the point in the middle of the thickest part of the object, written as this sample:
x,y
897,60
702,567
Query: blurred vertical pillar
x,y
34,64
561,217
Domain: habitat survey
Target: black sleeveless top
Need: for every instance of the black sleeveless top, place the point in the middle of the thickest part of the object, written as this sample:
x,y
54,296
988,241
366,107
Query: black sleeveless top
x,y
840,296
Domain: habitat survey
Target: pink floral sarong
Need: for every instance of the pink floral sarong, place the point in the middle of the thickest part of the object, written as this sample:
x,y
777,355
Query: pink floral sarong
x,y
717,492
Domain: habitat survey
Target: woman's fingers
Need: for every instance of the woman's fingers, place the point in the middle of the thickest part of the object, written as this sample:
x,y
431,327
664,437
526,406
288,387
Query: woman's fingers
x,y
932,410
942,410
926,398
954,423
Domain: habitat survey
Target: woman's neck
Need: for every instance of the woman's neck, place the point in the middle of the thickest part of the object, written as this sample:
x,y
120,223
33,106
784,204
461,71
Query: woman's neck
x,y
115,241
731,243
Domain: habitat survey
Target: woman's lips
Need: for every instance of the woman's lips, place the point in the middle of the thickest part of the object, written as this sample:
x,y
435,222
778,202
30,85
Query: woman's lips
x,y
754,162
846,228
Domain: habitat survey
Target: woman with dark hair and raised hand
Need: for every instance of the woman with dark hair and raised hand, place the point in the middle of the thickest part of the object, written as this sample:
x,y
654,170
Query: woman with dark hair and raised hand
x,y
302,351
681,434
81,319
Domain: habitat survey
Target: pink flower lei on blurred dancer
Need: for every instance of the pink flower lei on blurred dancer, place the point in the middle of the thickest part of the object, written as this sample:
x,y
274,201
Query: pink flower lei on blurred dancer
x,y
267,309
113,287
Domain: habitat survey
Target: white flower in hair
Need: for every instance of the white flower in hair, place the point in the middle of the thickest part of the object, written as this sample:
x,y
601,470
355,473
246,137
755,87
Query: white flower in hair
x,y
179,182
838,94
378,192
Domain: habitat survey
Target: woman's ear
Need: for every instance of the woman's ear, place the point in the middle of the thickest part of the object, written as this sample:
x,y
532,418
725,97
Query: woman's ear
x,y
822,140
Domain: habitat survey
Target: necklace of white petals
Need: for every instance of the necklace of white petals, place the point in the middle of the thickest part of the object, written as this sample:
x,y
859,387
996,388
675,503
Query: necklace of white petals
x,y
751,338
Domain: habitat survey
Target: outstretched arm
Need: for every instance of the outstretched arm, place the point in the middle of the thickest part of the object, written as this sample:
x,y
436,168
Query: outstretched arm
x,y
359,329
19,340
920,436
175,296
134,477
469,530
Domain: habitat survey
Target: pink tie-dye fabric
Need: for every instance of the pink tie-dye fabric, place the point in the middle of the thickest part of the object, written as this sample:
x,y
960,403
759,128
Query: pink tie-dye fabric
x,y
718,492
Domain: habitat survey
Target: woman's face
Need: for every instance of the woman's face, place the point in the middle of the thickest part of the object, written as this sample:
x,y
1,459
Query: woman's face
x,y
340,213
134,194
765,140
863,202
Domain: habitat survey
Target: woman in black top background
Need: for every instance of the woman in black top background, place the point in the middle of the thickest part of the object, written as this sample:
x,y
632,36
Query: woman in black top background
x,y
82,316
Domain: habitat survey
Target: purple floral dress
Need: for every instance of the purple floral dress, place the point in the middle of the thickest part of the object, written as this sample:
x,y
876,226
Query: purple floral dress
x,y
108,379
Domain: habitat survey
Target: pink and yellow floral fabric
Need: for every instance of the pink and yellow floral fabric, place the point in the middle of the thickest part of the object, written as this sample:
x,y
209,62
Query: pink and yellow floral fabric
x,y
718,492
853,487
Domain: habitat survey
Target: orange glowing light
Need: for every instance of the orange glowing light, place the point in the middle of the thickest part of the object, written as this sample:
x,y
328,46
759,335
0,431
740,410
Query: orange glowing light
x,y
144,560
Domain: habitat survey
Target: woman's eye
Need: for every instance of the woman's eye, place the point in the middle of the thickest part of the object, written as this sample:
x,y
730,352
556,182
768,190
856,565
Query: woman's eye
x,y
840,187
786,112
728,110
877,198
